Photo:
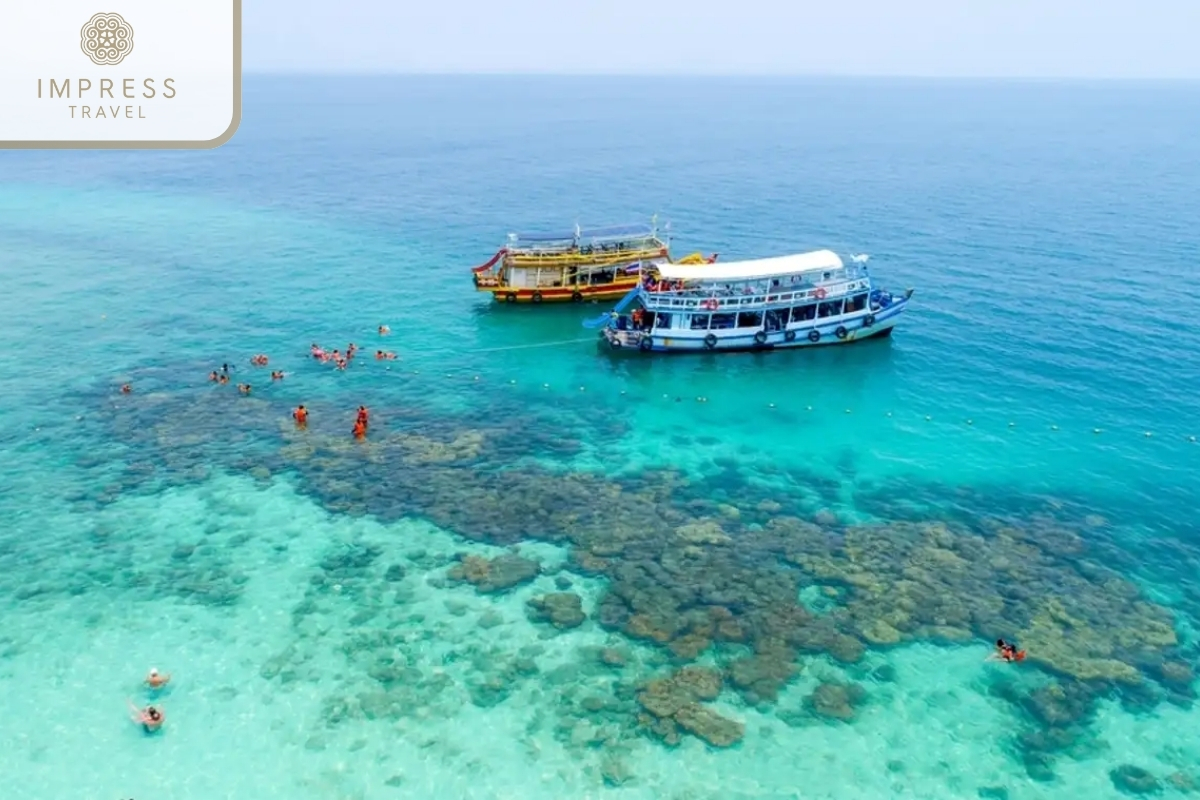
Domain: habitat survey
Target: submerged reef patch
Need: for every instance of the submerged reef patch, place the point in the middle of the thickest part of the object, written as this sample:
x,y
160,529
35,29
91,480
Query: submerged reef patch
x,y
709,573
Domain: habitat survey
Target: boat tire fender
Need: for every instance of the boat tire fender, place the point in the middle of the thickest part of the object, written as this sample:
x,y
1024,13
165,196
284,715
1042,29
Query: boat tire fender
x,y
760,337
790,336
537,297
646,344
814,336
840,332
710,341
511,297
868,320
576,297
615,343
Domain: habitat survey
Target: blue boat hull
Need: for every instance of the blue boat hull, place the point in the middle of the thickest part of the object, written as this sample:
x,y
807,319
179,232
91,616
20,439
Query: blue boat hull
x,y
683,341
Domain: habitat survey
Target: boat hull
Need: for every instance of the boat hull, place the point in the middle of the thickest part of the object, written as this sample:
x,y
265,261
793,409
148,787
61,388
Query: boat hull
x,y
795,336
563,294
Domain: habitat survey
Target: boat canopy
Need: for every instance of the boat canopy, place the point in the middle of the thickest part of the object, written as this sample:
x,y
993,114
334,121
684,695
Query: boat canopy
x,y
816,261
610,233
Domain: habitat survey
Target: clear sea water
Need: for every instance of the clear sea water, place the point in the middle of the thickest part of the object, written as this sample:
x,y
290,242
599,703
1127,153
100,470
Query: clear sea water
x,y
1023,448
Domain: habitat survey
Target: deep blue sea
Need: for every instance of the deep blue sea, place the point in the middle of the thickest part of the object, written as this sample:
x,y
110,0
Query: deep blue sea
x,y
555,572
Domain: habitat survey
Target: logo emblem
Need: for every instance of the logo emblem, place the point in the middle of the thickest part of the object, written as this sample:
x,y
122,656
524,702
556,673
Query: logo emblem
x,y
106,39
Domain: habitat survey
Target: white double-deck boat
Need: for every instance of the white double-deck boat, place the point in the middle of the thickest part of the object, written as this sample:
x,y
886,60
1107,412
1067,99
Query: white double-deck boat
x,y
800,300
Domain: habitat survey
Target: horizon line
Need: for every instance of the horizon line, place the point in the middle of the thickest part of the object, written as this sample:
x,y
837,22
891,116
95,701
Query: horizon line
x,y
392,73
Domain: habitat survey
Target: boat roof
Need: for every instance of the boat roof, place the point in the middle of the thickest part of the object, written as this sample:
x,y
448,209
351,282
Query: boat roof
x,y
588,234
816,261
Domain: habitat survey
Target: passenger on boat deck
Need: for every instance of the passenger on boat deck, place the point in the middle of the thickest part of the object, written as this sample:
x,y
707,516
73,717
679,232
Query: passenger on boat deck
x,y
637,317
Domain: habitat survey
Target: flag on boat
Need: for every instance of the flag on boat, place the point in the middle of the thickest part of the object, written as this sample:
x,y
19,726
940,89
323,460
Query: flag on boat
x,y
633,268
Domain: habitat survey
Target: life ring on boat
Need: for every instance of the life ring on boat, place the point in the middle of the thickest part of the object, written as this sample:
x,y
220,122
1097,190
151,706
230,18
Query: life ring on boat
x,y
710,341
814,336
576,297
511,297
868,320
790,336
819,293
711,304
840,332
537,297
760,337
646,344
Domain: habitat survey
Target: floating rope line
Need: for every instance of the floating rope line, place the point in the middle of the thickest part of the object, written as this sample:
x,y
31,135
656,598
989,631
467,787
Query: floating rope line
x,y
539,344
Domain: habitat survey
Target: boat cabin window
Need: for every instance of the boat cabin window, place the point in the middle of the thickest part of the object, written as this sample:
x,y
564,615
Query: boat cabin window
x,y
804,313
698,322
777,320
750,319
856,303
830,308
660,320
723,321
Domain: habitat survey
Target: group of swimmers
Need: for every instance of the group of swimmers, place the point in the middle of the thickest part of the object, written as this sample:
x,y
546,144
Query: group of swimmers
x,y
152,717
361,420
340,360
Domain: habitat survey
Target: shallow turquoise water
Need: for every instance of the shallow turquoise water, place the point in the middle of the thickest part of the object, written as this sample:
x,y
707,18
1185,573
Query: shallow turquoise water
x,y
1045,372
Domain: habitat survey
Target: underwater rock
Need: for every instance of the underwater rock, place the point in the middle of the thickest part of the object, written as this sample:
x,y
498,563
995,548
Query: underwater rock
x,y
761,677
703,532
1182,782
561,609
562,583
709,725
612,657
992,793
1059,704
394,573
835,700
614,771
495,575
1134,780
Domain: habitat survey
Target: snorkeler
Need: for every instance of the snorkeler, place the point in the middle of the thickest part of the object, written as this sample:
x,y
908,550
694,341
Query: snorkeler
x,y
156,680
1007,652
151,717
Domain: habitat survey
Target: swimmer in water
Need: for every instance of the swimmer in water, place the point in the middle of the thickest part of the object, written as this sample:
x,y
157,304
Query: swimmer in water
x,y
224,379
360,430
244,388
301,416
225,368
363,417
384,330
277,375
1007,652
151,718
156,680
379,355
212,376
126,388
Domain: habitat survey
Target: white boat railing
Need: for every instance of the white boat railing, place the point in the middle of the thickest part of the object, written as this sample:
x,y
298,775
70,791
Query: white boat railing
x,y
716,301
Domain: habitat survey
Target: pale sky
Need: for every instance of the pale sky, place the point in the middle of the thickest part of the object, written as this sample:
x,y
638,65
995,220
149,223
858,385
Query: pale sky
x,y
952,38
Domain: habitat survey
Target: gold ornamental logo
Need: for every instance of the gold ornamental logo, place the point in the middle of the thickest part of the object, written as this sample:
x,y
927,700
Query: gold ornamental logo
x,y
106,39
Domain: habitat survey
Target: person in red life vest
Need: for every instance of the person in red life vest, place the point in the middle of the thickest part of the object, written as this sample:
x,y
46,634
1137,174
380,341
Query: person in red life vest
x,y
1007,652
363,417
301,416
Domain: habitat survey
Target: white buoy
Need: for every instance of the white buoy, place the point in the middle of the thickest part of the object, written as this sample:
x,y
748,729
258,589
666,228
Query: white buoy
x,y
927,418
1053,427
889,413
847,411
512,381
545,386
1012,424
1191,438
1148,434
1095,430
622,391
582,389
808,408
476,377
970,422
770,405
